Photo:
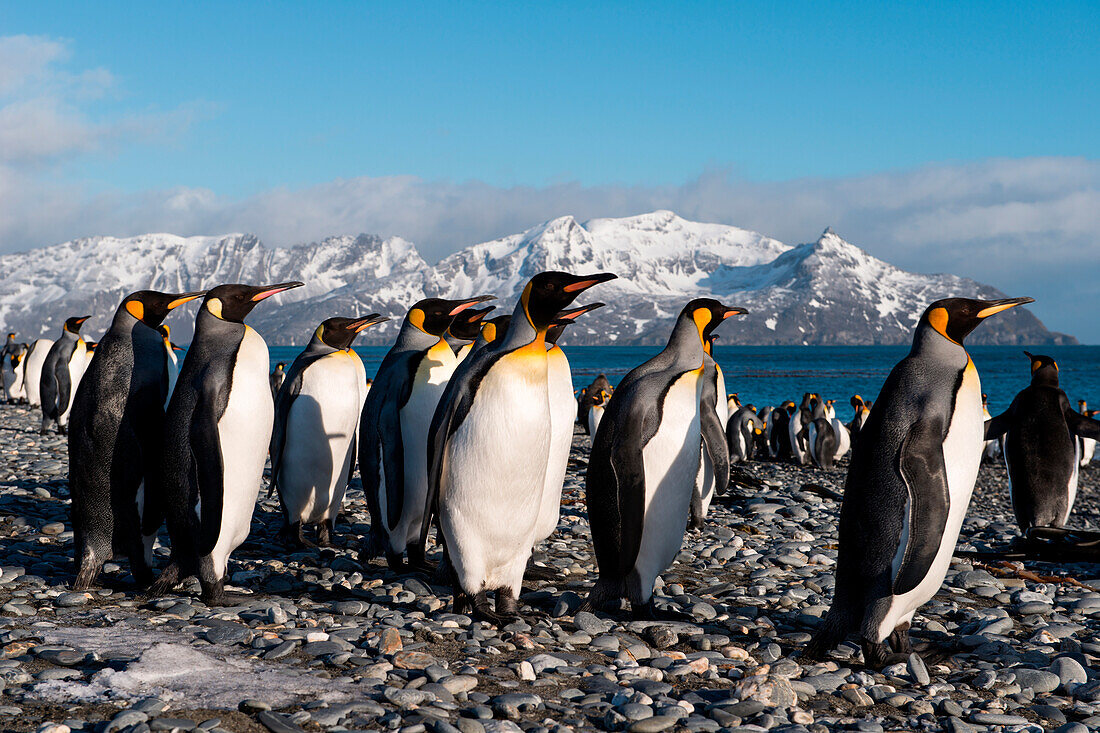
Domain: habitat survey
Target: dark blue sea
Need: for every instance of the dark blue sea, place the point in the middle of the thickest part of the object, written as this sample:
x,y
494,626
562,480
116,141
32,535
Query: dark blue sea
x,y
767,375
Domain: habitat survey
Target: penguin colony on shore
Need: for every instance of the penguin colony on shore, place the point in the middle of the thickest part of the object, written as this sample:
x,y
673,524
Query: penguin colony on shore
x,y
466,428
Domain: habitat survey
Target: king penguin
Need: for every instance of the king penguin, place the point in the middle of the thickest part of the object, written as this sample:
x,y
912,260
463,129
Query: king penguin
x,y
644,460
859,417
217,433
588,397
1086,446
909,485
1040,447
800,419
464,330
821,439
560,391
12,370
741,431
317,414
275,379
32,373
595,413
991,448
714,458
393,438
116,439
171,362
61,371
490,449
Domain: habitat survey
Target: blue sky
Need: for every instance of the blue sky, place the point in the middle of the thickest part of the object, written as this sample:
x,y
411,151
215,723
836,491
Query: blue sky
x,y
939,136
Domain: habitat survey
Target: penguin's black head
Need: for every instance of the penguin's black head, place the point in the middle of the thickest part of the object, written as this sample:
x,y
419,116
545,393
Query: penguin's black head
x,y
1082,405
467,324
856,401
567,317
1044,370
735,398
165,332
151,307
955,318
234,302
90,345
495,329
708,313
434,315
11,337
72,325
340,332
548,293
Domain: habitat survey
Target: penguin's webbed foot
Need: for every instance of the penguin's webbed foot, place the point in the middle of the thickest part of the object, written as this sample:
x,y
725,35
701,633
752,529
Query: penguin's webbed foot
x,y
396,563
325,533
418,562
877,655
86,574
168,580
482,610
213,594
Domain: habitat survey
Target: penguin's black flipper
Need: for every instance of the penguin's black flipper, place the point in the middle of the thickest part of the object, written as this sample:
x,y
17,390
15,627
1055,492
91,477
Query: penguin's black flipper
x,y
1079,425
454,405
284,399
922,464
714,439
997,426
615,489
206,456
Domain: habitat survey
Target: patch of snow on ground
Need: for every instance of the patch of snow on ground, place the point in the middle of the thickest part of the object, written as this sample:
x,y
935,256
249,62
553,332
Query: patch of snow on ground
x,y
171,668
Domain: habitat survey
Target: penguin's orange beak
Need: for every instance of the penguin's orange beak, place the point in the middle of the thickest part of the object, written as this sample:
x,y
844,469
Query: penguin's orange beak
x,y
573,313
579,285
185,298
270,290
996,306
469,302
364,323
733,311
82,319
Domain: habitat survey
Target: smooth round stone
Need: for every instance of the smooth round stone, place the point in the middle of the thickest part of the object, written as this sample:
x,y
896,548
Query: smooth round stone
x,y
63,657
656,724
53,528
71,600
635,711
1037,680
997,719
1069,671
228,634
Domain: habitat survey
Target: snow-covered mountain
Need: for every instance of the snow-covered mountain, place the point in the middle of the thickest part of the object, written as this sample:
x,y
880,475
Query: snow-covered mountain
x,y
826,292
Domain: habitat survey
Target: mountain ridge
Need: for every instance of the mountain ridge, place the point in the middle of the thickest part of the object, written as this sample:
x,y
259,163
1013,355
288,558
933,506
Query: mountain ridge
x,y
824,292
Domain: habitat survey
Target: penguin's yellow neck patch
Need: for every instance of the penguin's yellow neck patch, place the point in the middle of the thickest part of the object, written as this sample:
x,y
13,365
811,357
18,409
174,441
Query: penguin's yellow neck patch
x,y
214,305
702,318
135,309
416,318
937,319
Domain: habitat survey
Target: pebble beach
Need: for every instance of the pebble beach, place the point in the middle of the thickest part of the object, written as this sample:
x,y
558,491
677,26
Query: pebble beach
x,y
314,641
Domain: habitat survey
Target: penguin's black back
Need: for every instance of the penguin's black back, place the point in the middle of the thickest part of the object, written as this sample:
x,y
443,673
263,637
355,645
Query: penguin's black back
x,y
205,379
116,430
55,384
918,398
1040,453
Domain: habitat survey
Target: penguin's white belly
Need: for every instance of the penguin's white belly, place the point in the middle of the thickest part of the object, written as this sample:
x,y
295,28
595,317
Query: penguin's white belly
x,y
843,438
670,461
721,404
495,472
1088,450
320,431
704,480
794,428
173,375
20,383
244,433
562,414
416,417
962,454
1071,488
33,373
595,414
811,442
77,364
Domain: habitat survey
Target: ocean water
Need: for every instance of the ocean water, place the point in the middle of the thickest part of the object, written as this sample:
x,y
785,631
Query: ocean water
x,y
767,375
